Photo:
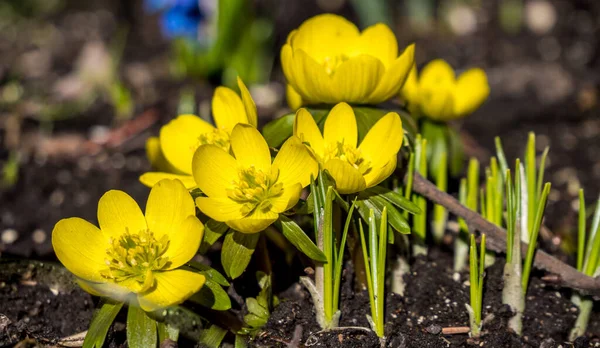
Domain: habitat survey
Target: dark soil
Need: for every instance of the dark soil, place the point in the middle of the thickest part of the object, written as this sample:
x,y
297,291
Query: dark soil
x,y
433,300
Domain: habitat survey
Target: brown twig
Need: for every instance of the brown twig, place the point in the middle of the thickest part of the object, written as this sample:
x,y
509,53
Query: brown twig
x,y
455,330
496,239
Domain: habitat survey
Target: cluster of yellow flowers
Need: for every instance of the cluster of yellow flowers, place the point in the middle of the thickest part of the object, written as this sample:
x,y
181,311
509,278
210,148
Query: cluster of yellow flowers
x,y
327,60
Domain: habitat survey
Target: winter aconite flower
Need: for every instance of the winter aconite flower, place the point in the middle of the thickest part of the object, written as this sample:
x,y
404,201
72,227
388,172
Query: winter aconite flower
x,y
173,151
132,256
328,60
438,94
246,190
353,167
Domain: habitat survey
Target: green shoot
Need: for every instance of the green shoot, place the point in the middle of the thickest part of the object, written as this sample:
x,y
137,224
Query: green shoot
x,y
533,234
468,196
419,222
476,273
588,262
440,213
534,178
374,255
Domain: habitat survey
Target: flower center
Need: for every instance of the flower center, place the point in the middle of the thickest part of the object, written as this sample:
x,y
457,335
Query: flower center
x,y
349,154
217,137
133,256
332,63
255,189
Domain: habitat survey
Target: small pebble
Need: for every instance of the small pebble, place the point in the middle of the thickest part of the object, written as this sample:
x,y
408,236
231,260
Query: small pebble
x,y
434,329
9,236
39,236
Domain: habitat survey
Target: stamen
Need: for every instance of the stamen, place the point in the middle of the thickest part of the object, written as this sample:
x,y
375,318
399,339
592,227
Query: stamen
x,y
134,256
332,63
255,189
217,137
349,154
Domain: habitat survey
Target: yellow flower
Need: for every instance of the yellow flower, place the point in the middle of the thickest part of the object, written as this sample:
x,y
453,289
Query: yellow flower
x,y
132,256
439,95
172,154
353,168
328,60
247,191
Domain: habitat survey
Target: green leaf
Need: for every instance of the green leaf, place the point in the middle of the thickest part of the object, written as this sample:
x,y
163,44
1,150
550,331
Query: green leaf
x,y
167,331
456,159
395,198
395,219
277,131
366,117
141,329
255,308
299,239
101,322
212,296
237,251
254,320
209,272
435,133
213,336
213,230
240,341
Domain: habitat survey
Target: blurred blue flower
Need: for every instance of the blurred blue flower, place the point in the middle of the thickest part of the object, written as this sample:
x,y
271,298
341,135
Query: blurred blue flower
x,y
179,18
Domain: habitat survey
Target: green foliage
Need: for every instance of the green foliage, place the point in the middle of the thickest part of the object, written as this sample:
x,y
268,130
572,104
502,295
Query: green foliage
x,y
295,235
141,329
476,274
101,322
259,308
374,254
237,251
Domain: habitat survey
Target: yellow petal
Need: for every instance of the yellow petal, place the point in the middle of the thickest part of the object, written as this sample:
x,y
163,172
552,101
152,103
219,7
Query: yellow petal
x,y
295,163
307,130
309,78
185,241
325,35
355,79
250,148
383,140
171,288
228,109
394,77
410,89
347,178
220,209
151,178
380,42
169,204
436,72
294,100
340,126
119,213
155,155
254,223
111,290
472,89
80,247
438,103
288,199
377,175
249,105
436,85
180,138
214,170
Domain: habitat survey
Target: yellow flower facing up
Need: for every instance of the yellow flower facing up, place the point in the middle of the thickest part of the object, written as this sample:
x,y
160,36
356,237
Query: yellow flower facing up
x,y
439,95
353,167
135,257
328,60
173,151
246,190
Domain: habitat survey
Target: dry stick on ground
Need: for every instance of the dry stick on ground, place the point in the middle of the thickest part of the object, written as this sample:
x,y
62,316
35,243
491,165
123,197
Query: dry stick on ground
x,y
496,239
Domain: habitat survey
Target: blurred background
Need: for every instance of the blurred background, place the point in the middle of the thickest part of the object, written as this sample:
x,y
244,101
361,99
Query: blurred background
x,y
83,84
